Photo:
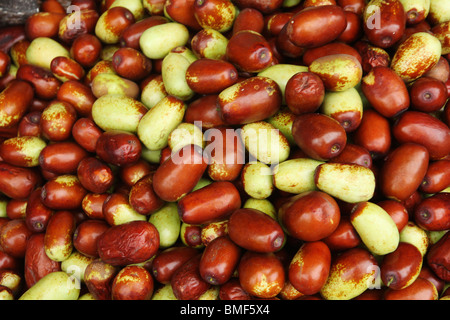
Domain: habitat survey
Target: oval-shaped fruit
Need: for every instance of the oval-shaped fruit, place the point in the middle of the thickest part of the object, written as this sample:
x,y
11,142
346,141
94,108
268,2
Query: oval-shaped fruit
x,y
304,92
403,171
261,275
64,192
112,22
437,177
86,235
401,267
166,180
168,223
98,277
169,260
37,214
173,71
344,237
424,129
156,125
43,50
421,289
264,142
118,147
210,76
296,175
310,216
385,91
219,260
186,282
155,44
14,235
253,99
254,230
373,134
249,51
22,151
433,213
351,273
376,228
256,178
316,26
16,98
17,182
418,54
338,72
344,106
118,112
58,241
117,210
384,22
57,285
319,136
349,182
211,203
131,242
132,283
62,157
310,266
428,94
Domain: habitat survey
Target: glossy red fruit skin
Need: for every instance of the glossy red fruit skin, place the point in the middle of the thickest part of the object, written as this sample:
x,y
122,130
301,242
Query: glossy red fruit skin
x,y
16,99
256,98
354,154
132,283
319,136
316,26
62,157
210,76
437,177
59,232
117,245
254,230
17,182
397,211
343,237
232,290
309,269
67,68
421,289
253,267
131,63
86,235
433,213
403,171
211,203
327,49
227,153
78,95
86,49
87,20
438,258
249,51
422,128
204,110
63,192
169,260
265,6
374,134
219,260
304,92
386,25
249,19
310,216
186,282
14,236
386,91
57,120
166,180
428,94
37,214
86,133
36,262
399,267
43,24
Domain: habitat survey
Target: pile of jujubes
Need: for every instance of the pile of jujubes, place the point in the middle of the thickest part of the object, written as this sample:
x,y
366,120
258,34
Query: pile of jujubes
x,y
226,150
